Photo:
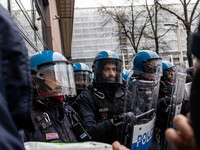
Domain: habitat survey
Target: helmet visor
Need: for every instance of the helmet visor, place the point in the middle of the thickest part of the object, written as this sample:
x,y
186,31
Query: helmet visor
x,y
169,71
108,71
83,79
55,79
71,81
153,65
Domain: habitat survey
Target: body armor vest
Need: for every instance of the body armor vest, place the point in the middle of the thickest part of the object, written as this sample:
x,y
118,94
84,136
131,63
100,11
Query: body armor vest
x,y
49,129
69,129
108,108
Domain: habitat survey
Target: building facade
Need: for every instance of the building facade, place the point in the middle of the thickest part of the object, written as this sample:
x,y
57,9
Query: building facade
x,y
88,36
91,35
44,24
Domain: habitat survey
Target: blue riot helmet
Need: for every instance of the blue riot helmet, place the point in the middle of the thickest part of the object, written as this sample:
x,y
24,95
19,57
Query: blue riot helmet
x,y
52,74
167,65
107,68
190,71
83,76
147,61
168,71
125,74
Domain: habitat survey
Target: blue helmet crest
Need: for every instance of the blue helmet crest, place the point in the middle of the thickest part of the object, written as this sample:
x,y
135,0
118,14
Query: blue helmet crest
x,y
106,54
166,65
81,67
45,57
141,57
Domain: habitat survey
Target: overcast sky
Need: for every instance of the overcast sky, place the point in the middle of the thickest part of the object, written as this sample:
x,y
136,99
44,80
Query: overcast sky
x,y
99,3
91,3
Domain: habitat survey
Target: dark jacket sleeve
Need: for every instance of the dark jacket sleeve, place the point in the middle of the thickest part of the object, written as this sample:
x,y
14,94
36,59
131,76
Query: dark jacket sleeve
x,y
85,107
194,106
15,71
15,84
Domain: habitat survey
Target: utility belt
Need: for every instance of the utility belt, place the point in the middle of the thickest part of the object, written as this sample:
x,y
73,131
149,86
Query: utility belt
x,y
45,125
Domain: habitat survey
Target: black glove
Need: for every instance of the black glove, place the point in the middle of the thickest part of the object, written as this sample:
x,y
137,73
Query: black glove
x,y
167,100
124,118
165,104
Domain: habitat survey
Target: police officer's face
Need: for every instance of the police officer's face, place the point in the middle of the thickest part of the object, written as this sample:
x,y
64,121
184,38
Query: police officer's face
x,y
80,80
150,67
169,75
50,80
109,72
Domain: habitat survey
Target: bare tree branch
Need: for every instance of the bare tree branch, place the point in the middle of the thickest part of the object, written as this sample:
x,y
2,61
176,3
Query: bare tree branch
x,y
185,11
141,32
181,2
151,20
196,17
187,21
134,27
193,10
165,32
188,2
138,15
171,12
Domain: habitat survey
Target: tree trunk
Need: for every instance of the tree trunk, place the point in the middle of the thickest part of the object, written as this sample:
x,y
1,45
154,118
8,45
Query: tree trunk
x,y
136,50
157,45
189,54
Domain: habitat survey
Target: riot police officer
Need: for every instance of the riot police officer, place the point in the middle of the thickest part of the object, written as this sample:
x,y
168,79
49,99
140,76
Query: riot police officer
x,y
142,94
83,77
170,102
101,103
165,90
167,78
52,75
146,67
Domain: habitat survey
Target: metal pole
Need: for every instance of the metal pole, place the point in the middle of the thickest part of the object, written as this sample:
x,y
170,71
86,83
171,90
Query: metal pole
x,y
34,21
179,43
123,60
172,60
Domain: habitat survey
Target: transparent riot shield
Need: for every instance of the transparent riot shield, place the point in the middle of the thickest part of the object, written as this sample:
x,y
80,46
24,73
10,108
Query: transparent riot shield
x,y
140,109
178,90
187,90
177,95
